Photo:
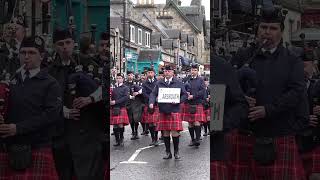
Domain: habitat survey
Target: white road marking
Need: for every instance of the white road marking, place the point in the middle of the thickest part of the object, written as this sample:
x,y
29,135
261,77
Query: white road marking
x,y
135,154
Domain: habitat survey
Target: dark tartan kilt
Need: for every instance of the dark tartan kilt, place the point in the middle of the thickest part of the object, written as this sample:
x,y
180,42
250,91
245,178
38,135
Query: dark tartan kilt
x,y
311,161
150,118
219,170
199,116
288,164
121,119
169,122
42,167
207,112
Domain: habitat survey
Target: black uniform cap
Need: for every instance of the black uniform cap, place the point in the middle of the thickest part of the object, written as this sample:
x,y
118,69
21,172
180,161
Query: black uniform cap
x,y
308,55
194,66
120,74
61,34
129,72
150,69
168,67
160,72
33,41
104,36
273,16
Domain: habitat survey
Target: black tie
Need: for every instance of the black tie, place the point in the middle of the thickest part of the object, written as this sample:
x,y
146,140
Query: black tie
x,y
27,76
168,82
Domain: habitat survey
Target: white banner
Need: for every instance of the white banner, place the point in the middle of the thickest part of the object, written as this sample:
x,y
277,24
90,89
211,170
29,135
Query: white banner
x,y
169,95
217,92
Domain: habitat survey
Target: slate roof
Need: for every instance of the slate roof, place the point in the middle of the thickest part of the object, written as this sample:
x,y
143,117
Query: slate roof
x,y
169,43
173,33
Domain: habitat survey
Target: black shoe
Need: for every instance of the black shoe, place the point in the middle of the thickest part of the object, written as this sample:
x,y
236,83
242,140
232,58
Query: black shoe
x,y
191,143
168,156
147,132
112,134
143,133
176,155
133,137
137,136
205,134
197,143
161,138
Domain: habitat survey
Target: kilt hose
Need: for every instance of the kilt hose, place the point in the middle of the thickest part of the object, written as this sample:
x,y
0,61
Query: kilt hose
x,y
150,118
311,161
169,122
122,118
42,167
241,165
199,116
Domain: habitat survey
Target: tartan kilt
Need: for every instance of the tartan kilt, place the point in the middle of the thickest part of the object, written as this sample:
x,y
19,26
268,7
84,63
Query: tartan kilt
x,y
288,164
150,118
42,167
199,116
311,161
207,112
183,110
169,122
219,170
121,119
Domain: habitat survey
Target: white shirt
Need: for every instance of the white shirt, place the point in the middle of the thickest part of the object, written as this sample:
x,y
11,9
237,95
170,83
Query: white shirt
x,y
271,50
32,72
66,63
166,80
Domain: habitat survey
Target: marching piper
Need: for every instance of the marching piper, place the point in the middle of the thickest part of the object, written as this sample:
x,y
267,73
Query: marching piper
x,y
170,118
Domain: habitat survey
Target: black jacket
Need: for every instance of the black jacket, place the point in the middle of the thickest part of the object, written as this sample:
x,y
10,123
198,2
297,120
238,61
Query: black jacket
x,y
280,86
35,107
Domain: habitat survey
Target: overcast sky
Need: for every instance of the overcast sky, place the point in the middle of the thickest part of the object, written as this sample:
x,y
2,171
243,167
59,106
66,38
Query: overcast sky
x,y
206,4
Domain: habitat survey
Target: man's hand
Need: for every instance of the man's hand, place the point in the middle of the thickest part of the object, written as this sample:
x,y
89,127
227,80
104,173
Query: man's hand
x,y
208,99
151,106
258,112
81,102
316,110
112,103
190,97
251,101
74,114
7,130
313,120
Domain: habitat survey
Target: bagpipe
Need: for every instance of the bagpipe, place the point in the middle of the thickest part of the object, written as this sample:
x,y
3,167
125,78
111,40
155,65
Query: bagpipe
x,y
248,81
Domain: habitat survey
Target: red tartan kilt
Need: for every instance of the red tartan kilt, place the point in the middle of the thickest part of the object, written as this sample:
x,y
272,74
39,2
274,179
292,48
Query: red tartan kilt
x,y
169,122
219,170
150,118
311,161
183,110
42,167
199,116
288,164
121,119
207,112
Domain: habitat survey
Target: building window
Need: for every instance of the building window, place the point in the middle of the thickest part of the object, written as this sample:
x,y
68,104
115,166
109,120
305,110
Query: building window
x,y
139,36
132,33
147,39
